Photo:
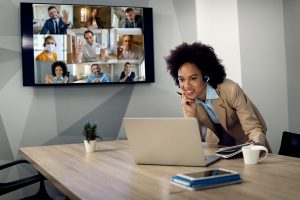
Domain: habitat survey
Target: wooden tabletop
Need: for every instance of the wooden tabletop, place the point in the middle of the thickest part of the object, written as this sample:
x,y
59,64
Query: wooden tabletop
x,y
110,173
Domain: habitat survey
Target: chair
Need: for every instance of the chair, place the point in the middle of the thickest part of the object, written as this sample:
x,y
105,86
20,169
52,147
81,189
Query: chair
x,y
17,184
290,144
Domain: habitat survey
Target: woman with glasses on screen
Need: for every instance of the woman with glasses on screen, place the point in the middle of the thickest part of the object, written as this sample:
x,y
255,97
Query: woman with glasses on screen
x,y
225,113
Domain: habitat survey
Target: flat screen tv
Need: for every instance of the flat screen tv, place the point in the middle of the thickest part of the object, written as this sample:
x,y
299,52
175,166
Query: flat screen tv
x,y
65,44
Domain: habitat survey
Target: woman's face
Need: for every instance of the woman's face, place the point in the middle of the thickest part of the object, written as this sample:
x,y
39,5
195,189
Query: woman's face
x,y
58,71
49,45
94,13
191,82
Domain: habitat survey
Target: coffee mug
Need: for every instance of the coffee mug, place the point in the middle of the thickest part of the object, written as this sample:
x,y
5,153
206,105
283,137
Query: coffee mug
x,y
251,154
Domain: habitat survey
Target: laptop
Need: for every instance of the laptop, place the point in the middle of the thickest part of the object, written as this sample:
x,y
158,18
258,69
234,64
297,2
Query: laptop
x,y
166,141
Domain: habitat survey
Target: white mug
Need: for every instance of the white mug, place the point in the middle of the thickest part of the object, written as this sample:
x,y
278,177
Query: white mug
x,y
251,154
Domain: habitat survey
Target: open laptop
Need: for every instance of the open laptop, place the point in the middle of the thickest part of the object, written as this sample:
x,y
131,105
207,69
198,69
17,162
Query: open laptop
x,y
166,141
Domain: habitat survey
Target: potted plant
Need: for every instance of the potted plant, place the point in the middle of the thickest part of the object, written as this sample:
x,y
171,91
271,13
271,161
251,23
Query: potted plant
x,y
90,134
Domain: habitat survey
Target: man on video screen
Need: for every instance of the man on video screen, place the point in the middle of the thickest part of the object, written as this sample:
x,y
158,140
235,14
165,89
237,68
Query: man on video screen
x,y
129,51
133,20
56,24
88,52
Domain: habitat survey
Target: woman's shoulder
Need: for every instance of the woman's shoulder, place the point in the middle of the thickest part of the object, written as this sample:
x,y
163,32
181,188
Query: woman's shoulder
x,y
40,56
229,83
228,86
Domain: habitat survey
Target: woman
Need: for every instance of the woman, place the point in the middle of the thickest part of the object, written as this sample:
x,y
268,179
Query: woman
x,y
224,112
94,20
59,73
48,54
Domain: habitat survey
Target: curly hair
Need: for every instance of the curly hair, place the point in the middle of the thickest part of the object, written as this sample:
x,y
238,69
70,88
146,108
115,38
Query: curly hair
x,y
203,56
62,65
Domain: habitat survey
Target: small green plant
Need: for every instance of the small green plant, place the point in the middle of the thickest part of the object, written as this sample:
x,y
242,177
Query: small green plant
x,y
90,131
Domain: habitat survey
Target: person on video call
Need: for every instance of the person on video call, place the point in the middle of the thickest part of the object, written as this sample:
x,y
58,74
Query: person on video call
x,y
133,20
129,51
127,75
97,76
56,24
225,113
59,73
49,53
88,52
94,21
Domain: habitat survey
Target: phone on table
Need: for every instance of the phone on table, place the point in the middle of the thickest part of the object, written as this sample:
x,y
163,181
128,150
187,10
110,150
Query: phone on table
x,y
206,179
214,173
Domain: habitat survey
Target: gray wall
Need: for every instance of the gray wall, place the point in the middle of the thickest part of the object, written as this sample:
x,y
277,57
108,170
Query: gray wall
x,y
291,12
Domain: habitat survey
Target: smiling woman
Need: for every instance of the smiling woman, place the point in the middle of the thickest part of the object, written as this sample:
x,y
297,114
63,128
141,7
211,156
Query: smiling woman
x,y
59,73
225,114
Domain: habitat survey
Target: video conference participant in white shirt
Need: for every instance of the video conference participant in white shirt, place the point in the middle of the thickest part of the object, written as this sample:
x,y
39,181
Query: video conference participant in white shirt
x,y
88,52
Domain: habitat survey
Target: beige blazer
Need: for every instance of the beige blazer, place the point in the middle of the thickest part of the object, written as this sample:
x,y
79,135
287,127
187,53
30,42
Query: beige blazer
x,y
236,113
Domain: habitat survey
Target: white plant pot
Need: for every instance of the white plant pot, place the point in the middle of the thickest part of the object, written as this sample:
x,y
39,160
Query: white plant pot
x,y
91,146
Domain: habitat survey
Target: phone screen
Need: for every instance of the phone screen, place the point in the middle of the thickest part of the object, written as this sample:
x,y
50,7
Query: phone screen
x,y
209,173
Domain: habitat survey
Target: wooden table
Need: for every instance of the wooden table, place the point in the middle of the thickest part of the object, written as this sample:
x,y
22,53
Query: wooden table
x,y
111,174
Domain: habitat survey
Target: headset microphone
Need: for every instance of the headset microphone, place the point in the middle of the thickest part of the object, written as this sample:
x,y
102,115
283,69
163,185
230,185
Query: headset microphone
x,y
206,78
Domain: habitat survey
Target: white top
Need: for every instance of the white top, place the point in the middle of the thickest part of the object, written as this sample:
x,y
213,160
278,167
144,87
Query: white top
x,y
88,53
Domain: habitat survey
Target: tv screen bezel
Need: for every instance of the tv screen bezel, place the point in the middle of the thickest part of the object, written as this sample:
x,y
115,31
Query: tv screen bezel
x,y
27,48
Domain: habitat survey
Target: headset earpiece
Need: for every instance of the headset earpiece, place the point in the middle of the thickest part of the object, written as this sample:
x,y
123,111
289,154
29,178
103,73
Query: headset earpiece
x,y
206,78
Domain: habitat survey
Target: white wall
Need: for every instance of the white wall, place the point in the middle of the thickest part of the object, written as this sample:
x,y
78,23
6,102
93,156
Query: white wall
x,y
264,63
217,25
249,37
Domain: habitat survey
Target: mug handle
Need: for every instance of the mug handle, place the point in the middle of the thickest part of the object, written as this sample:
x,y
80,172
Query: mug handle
x,y
262,148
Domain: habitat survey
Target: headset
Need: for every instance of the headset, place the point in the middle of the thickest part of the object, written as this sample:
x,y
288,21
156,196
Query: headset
x,y
206,78
48,38
45,44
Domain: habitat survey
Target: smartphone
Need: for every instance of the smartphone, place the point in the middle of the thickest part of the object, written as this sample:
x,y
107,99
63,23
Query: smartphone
x,y
213,173
206,179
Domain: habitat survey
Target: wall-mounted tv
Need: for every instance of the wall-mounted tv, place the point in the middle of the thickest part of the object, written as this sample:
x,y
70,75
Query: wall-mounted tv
x,y
65,44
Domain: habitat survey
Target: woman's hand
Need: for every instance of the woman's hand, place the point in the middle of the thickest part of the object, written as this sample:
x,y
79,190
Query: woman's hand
x,y
189,106
48,78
